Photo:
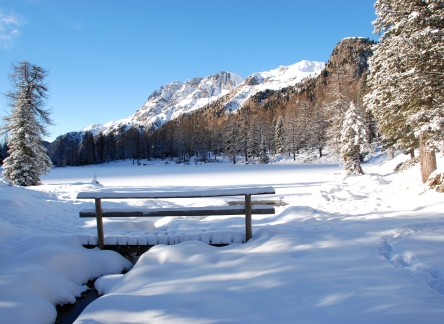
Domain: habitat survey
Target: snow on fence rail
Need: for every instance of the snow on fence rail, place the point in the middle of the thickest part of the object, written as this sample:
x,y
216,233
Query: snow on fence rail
x,y
247,210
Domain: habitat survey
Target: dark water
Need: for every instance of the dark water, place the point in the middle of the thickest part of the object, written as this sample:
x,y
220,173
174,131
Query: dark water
x,y
68,313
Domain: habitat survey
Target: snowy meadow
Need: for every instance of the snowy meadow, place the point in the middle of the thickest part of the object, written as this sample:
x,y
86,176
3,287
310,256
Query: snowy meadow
x,y
340,249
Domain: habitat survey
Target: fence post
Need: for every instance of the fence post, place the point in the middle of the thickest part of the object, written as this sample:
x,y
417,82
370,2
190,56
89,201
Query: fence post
x,y
248,229
100,235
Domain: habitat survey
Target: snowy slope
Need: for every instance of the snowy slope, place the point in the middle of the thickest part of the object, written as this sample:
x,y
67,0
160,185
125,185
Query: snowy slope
x,y
174,99
178,98
279,78
345,249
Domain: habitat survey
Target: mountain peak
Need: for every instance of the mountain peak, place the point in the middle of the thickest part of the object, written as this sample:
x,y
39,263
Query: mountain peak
x,y
176,98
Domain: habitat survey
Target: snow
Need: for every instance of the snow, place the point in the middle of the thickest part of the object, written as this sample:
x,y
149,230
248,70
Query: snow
x,y
95,129
173,194
283,76
344,249
355,37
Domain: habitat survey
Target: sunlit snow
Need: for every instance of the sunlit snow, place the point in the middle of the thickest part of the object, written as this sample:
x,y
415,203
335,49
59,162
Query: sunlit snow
x,y
343,249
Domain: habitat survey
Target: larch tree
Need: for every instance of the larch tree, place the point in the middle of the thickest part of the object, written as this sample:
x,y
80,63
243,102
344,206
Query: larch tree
x,y
304,124
353,139
406,72
318,129
26,126
292,133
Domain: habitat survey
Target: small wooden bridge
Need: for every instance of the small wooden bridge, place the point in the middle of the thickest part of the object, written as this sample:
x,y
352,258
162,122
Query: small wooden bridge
x,y
132,246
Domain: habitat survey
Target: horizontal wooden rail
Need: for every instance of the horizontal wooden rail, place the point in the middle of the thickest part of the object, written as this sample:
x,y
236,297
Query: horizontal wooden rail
x,y
248,210
165,212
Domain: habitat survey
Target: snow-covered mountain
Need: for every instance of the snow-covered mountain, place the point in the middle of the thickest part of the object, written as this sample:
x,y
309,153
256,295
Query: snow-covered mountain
x,y
279,78
177,98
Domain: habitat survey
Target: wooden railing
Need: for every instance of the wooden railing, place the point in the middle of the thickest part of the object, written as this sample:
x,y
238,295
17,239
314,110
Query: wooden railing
x,y
247,210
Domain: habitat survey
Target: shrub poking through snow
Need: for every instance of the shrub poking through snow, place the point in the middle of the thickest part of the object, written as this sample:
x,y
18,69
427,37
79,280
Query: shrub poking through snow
x,y
436,181
410,163
94,180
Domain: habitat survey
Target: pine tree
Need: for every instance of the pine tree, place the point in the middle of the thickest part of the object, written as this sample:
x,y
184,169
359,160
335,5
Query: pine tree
x,y
110,147
2,157
87,151
338,107
3,150
100,148
26,125
279,135
245,133
255,138
407,92
263,154
231,138
353,139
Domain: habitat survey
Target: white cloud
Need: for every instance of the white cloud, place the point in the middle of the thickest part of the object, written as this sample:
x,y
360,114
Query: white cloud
x,y
9,28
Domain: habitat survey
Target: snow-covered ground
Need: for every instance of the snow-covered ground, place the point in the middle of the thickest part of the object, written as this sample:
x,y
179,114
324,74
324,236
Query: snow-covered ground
x,y
344,249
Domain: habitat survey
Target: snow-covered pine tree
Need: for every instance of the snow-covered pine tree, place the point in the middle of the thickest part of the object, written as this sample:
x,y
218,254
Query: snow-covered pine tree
x,y
26,125
263,154
353,139
255,138
269,137
370,120
406,76
338,107
279,135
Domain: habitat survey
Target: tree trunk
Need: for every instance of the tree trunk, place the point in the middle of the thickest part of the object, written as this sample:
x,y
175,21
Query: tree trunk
x,y
427,158
412,153
320,152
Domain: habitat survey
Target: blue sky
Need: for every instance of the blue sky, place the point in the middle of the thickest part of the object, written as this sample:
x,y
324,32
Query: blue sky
x,y
106,57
